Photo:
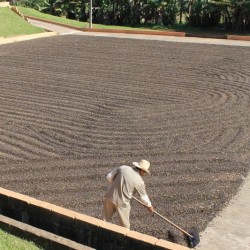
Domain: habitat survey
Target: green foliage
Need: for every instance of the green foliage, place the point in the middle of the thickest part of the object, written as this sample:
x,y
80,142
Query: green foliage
x,y
203,14
30,3
236,14
170,11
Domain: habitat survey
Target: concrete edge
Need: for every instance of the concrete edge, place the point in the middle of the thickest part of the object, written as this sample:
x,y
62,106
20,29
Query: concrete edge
x,y
147,32
138,32
235,37
38,236
53,22
204,35
15,9
164,244
26,37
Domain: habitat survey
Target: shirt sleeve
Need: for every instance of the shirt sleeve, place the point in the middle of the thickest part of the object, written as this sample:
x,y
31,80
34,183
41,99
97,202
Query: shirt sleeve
x,y
145,200
111,176
143,195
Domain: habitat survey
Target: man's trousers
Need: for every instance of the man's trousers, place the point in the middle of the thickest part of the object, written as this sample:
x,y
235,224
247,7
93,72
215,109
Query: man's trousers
x,y
109,209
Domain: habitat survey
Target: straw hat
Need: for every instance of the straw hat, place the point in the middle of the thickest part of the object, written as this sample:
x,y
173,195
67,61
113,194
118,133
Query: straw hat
x,y
143,164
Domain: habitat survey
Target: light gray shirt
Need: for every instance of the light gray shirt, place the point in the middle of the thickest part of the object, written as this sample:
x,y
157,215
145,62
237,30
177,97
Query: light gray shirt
x,y
124,182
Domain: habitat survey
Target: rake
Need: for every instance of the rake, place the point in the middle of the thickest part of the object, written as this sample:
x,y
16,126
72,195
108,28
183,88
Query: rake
x,y
192,237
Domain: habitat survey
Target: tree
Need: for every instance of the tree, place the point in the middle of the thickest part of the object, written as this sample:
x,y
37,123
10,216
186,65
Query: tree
x,y
236,14
183,8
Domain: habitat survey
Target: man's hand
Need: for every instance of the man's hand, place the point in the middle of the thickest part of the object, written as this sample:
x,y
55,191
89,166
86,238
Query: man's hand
x,y
150,209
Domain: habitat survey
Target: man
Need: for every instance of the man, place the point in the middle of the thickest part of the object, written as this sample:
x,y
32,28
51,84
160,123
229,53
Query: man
x,y
124,182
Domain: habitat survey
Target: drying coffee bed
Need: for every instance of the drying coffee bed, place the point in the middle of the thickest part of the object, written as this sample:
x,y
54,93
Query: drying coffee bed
x,y
74,107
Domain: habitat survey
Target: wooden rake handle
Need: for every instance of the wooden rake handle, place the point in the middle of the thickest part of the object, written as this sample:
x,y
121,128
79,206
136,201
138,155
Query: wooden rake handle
x,y
164,218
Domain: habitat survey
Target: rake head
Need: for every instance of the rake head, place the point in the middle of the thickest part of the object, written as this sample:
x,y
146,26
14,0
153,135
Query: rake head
x,y
194,240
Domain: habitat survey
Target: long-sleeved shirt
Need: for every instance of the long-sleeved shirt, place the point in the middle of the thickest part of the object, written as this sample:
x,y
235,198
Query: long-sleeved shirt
x,y
124,182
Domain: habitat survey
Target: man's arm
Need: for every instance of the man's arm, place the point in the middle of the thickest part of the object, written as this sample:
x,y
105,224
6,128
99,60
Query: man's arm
x,y
147,202
111,176
144,197
150,208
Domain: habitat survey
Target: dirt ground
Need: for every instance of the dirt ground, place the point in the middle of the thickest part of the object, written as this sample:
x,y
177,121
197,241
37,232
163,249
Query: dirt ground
x,y
74,107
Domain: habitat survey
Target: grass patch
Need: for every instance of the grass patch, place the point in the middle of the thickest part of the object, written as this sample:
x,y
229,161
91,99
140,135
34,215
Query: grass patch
x,y
34,13
11,242
78,24
13,25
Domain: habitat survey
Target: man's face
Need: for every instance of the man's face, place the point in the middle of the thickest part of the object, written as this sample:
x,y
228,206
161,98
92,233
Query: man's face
x,y
142,172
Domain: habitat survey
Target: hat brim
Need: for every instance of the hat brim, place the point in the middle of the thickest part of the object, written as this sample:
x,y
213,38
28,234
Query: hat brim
x,y
138,166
